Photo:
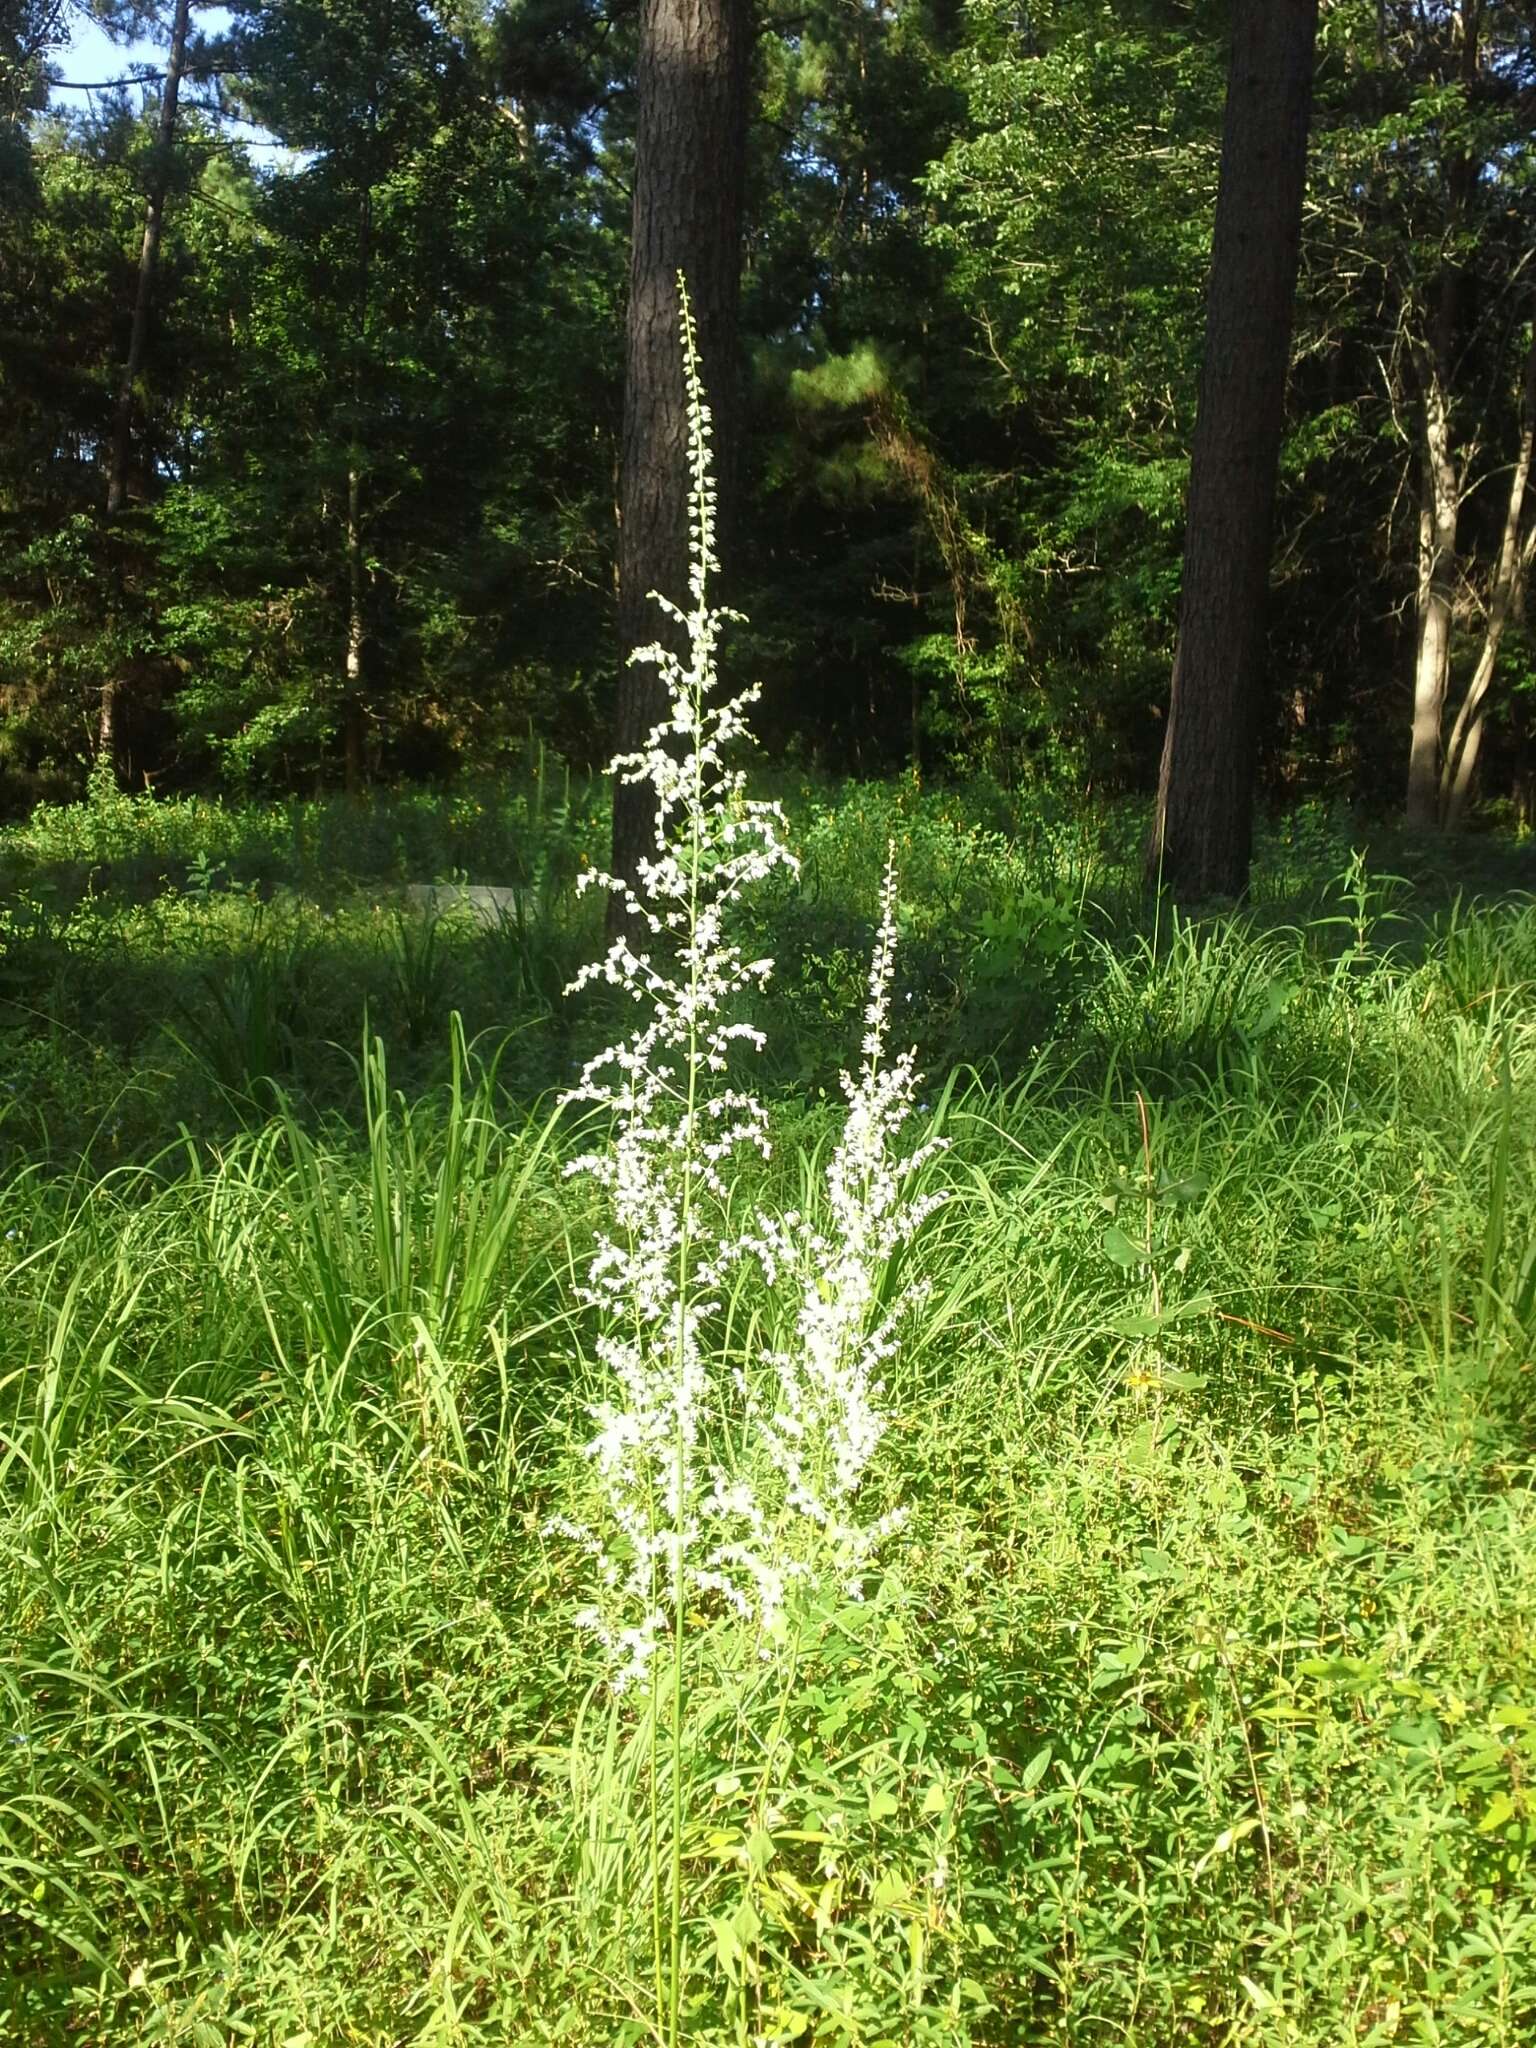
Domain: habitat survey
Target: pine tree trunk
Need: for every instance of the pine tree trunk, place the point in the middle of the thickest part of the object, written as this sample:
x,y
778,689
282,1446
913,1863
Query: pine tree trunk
x,y
690,160
109,736
1202,833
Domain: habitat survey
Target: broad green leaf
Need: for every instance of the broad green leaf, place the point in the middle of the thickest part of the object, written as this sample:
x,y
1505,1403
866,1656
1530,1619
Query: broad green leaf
x,y
1120,1248
1035,1769
1500,1809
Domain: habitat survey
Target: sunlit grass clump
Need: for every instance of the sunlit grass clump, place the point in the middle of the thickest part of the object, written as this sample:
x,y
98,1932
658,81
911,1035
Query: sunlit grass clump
x,y
1192,1698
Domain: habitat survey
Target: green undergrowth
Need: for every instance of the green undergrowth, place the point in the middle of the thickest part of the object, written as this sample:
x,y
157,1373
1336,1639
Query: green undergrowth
x,y
1196,1699
183,963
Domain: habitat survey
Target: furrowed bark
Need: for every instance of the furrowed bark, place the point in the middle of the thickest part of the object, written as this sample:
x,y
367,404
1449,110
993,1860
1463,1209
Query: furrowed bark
x,y
690,167
1202,835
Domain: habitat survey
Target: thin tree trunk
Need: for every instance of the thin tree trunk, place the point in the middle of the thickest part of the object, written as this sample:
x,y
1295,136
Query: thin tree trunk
x,y
1513,566
1441,469
1439,512
354,700
1202,834
353,697
690,166
149,256
109,737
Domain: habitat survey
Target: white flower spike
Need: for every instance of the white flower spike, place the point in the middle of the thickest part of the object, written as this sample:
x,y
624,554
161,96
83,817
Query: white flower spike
x,y
806,1427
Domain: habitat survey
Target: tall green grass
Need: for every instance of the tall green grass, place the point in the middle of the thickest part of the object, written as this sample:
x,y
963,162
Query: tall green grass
x,y
1196,1701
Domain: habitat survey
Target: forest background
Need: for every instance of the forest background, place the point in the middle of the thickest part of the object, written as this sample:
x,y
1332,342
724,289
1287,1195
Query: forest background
x,y
369,464
1176,1682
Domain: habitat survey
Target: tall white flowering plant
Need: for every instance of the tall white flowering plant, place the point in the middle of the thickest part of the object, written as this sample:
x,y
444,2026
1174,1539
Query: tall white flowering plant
x,y
809,1422
723,1489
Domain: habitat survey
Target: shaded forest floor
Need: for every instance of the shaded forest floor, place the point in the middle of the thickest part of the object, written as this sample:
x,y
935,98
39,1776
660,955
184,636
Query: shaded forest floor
x,y
1196,1700
169,963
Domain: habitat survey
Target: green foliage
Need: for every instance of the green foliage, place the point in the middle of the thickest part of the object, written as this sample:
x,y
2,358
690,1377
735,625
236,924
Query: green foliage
x,y
978,241
239,1021
430,310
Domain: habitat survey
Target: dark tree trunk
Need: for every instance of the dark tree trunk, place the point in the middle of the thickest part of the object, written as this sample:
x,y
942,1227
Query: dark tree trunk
x,y
149,257
110,735
690,158
1202,835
